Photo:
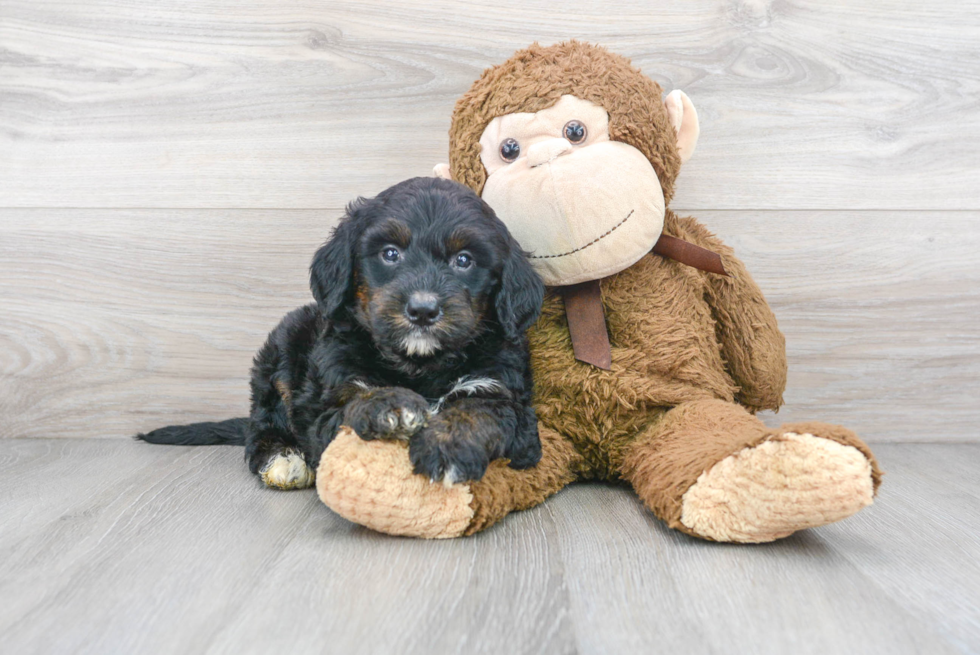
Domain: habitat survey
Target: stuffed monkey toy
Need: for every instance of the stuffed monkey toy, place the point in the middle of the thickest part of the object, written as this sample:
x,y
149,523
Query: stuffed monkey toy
x,y
655,347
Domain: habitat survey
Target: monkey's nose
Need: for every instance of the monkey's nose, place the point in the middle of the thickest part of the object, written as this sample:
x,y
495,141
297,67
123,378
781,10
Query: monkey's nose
x,y
423,309
546,151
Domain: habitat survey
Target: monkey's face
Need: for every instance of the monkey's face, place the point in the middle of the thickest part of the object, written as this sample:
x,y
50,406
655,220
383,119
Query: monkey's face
x,y
583,205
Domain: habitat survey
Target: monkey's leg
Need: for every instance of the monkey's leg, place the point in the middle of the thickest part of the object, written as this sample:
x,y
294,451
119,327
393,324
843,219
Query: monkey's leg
x,y
371,483
712,470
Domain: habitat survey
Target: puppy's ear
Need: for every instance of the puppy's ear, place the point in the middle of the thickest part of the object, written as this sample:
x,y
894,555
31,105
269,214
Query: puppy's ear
x,y
332,269
520,295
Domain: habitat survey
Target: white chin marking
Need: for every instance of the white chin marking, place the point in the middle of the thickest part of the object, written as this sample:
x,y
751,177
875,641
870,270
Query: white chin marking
x,y
449,479
420,344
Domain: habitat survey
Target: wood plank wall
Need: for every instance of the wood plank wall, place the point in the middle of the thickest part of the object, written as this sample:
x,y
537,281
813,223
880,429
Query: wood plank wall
x,y
167,169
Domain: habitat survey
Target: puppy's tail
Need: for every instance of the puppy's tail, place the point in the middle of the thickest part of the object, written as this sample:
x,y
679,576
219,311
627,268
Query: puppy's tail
x,y
220,433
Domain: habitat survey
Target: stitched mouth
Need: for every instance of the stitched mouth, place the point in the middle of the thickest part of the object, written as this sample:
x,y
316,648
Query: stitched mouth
x,y
590,243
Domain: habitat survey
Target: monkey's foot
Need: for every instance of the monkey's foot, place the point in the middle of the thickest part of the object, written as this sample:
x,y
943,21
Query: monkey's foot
x,y
371,483
788,483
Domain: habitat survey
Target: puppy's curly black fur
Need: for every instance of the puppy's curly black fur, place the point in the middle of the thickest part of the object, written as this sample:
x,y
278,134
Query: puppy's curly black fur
x,y
418,332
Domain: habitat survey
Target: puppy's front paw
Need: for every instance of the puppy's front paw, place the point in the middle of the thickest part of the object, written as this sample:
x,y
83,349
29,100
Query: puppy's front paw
x,y
440,455
386,413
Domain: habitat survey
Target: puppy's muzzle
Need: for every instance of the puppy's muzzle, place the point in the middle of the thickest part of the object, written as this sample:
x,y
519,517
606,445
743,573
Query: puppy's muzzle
x,y
423,309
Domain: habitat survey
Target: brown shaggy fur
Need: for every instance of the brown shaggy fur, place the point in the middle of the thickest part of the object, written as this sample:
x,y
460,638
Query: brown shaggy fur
x,y
694,355
504,490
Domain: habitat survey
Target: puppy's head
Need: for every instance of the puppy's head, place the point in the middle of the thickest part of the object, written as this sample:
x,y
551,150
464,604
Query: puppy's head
x,y
425,267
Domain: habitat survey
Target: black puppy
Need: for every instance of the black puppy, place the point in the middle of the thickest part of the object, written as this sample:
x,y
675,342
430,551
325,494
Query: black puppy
x,y
418,332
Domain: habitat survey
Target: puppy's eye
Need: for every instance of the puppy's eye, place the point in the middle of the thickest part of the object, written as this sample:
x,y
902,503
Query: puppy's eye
x,y
462,261
510,149
574,131
390,254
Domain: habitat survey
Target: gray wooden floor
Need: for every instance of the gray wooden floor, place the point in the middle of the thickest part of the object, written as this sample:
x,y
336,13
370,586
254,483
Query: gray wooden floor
x,y
112,546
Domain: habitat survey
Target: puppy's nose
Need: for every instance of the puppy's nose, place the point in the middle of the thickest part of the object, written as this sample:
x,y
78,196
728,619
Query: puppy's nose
x,y
547,151
423,309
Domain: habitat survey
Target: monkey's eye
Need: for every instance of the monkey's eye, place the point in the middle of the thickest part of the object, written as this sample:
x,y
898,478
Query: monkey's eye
x,y
390,254
510,149
462,261
574,131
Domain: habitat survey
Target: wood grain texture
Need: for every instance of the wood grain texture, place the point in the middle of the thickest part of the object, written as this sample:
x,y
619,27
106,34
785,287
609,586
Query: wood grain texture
x,y
881,312
936,575
116,546
798,595
195,556
122,321
501,592
803,104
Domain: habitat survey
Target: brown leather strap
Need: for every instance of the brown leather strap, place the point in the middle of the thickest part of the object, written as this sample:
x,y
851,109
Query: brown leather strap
x,y
583,302
687,253
587,324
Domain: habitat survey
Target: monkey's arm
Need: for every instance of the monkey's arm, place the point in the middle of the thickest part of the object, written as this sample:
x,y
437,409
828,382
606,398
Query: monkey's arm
x,y
372,483
752,345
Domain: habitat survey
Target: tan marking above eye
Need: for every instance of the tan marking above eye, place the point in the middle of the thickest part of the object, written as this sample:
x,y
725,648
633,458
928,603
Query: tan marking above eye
x,y
461,238
396,233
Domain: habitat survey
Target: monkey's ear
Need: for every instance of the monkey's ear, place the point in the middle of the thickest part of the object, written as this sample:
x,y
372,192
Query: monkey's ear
x,y
521,292
332,269
684,118
442,171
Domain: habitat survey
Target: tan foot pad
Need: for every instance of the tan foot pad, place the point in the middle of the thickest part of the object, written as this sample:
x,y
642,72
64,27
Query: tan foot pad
x,y
791,482
371,483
